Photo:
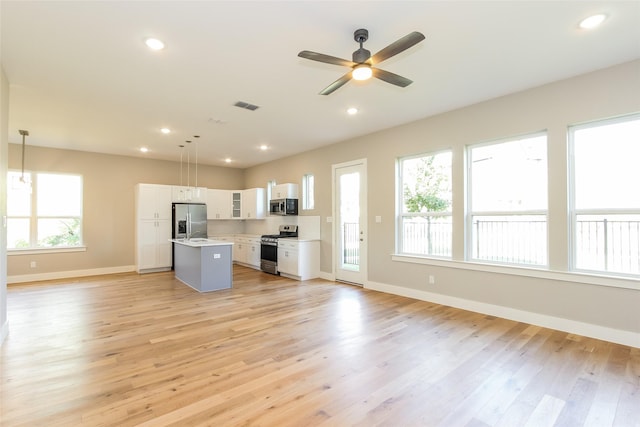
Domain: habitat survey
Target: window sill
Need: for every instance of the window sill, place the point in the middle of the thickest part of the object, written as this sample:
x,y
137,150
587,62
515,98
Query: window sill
x,y
577,277
35,251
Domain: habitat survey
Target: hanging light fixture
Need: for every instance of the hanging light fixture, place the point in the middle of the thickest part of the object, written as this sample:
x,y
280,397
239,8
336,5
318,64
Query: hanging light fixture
x,y
181,155
23,181
188,191
362,72
196,189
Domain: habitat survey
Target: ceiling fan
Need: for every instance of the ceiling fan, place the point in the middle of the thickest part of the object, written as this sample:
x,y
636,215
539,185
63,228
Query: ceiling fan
x,y
363,62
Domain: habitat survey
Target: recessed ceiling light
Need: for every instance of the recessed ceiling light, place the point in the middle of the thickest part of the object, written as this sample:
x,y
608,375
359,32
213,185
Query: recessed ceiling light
x,y
227,160
144,149
154,44
592,21
165,130
263,147
352,111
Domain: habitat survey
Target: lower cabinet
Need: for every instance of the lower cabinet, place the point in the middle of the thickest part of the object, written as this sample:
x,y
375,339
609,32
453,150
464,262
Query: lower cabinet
x,y
247,251
299,259
153,249
253,253
240,251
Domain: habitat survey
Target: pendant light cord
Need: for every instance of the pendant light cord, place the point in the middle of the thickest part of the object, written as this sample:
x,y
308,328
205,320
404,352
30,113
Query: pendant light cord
x,y
24,133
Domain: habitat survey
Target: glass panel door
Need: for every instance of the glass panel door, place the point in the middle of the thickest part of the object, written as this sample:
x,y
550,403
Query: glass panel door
x,y
350,230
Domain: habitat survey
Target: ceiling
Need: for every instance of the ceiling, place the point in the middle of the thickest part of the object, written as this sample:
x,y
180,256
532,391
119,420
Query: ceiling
x,y
81,77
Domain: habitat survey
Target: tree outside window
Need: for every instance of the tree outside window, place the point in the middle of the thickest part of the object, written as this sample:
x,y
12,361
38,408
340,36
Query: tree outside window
x,y
44,210
425,220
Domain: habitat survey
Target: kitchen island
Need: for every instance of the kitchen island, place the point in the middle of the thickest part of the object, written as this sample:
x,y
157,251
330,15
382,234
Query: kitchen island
x,y
203,264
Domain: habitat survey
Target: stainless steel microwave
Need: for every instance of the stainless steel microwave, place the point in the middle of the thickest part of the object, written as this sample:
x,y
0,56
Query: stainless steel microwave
x,y
283,207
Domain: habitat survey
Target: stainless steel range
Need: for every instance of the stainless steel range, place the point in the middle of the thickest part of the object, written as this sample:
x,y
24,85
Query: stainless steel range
x,y
269,247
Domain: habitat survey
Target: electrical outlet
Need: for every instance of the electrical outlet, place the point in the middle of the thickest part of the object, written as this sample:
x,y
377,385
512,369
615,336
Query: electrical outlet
x,y
432,279
33,264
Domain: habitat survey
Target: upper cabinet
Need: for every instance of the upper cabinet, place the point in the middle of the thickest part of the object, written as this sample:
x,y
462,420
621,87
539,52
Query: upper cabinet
x,y
182,194
253,203
219,204
153,201
236,204
284,191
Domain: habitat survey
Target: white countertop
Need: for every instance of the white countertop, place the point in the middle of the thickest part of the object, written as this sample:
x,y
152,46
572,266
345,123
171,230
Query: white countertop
x,y
199,242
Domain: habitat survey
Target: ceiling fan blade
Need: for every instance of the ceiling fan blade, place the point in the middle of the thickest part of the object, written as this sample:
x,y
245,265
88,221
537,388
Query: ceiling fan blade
x,y
321,57
392,78
336,85
396,47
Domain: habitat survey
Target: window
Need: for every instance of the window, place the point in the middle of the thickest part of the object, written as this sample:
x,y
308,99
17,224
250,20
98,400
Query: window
x,y
307,192
44,210
605,214
425,226
507,211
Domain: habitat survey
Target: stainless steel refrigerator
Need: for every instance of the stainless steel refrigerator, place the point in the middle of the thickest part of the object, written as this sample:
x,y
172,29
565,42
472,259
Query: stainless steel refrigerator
x,y
189,220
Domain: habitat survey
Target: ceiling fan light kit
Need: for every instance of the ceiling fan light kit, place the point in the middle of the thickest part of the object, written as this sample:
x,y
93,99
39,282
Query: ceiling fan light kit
x,y
361,72
362,64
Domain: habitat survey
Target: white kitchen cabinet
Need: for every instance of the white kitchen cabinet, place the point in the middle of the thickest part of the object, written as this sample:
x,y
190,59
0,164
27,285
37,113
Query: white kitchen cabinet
x,y
153,245
240,250
299,259
236,204
153,201
183,194
284,191
153,227
253,203
218,204
247,251
253,253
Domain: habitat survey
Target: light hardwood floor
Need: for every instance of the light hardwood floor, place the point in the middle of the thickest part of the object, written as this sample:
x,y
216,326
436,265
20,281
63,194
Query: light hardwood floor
x,y
128,350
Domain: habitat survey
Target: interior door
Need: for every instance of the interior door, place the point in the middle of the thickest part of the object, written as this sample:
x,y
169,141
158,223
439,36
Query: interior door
x,y
350,230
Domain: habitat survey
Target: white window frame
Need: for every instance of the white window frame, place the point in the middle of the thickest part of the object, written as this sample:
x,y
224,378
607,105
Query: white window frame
x,y
33,218
574,212
401,215
470,213
308,192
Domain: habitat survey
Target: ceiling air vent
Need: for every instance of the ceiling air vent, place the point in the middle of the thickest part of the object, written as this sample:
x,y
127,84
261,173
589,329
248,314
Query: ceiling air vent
x,y
246,105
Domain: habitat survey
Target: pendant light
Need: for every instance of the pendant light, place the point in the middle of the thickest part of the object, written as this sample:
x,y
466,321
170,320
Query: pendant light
x,y
24,182
196,189
181,156
188,191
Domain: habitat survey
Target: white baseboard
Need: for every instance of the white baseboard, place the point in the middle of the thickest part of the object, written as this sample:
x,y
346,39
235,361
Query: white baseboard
x,y
572,326
327,276
67,274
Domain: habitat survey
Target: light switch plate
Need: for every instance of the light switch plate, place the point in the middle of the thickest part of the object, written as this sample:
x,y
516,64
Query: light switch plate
x,y
378,218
